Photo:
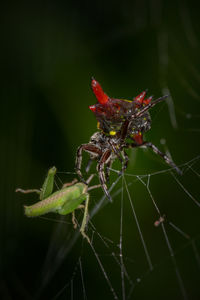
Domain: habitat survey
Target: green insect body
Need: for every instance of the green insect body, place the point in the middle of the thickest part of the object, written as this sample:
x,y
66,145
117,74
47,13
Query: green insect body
x,y
64,201
48,184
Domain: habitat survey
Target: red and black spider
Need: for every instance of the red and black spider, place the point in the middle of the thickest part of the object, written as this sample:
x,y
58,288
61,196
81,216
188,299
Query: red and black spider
x,y
119,120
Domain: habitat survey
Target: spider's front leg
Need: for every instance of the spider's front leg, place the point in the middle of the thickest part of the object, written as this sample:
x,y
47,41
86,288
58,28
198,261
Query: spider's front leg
x,y
107,171
125,162
105,160
90,148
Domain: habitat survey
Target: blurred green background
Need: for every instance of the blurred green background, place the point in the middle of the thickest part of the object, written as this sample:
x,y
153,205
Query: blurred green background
x,y
49,51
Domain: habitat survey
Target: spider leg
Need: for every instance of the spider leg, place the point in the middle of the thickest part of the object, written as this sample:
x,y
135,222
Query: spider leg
x,y
125,162
163,155
87,148
105,159
158,152
116,151
107,171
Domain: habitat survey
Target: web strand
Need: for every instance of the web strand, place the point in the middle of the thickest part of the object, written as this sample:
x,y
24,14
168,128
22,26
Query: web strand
x,y
139,229
83,285
120,244
180,281
105,274
185,190
127,284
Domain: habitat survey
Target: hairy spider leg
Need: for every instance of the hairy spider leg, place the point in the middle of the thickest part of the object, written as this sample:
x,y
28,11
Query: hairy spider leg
x,y
116,151
104,160
123,161
164,156
158,152
107,170
87,148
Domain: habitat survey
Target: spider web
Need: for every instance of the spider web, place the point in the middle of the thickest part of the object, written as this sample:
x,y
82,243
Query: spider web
x,y
151,245
125,268
146,243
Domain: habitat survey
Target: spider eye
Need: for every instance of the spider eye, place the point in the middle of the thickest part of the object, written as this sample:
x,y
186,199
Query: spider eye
x,y
99,93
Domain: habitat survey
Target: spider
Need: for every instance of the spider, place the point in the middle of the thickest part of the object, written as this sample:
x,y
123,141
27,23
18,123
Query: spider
x,y
121,125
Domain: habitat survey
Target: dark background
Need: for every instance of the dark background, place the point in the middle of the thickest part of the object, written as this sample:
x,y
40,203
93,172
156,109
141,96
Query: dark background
x,y
49,51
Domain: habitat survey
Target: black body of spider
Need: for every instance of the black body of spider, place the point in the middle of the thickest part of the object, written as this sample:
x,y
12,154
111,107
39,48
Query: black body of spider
x,y
119,120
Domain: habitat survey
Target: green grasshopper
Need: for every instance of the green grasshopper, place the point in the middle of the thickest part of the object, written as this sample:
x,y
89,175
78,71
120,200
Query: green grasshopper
x,y
64,201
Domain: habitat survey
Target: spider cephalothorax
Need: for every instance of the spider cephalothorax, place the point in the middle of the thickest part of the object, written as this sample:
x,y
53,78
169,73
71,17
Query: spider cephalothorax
x,y
119,121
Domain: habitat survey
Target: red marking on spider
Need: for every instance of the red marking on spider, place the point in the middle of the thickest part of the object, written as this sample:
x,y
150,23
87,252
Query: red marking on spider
x,y
147,101
138,138
92,108
139,99
98,91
